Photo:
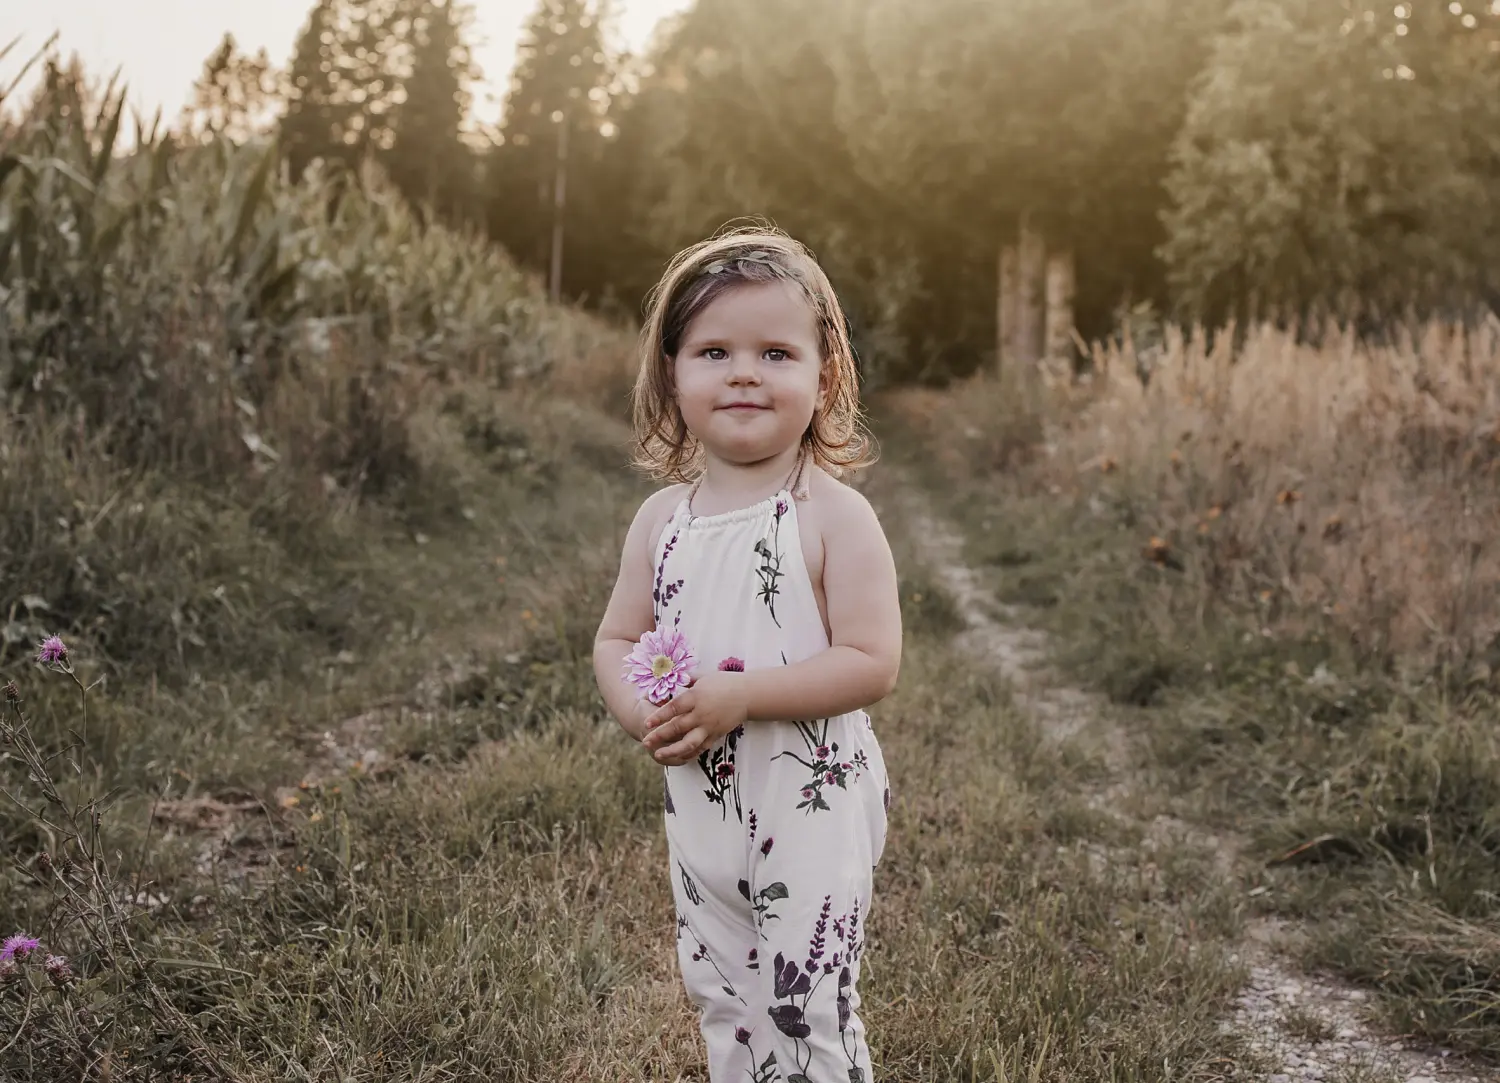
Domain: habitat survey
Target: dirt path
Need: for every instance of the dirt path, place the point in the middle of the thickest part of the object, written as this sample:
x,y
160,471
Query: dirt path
x,y
1307,1027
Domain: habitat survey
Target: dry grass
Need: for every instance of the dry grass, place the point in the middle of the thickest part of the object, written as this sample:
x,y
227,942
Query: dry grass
x,y
1282,553
1351,480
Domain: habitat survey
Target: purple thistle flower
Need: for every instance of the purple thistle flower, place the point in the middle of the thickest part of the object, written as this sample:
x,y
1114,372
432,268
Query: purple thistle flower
x,y
732,665
661,665
51,650
58,970
18,945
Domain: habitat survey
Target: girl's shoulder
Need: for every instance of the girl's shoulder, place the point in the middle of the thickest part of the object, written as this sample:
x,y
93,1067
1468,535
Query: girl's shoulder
x,y
656,510
833,506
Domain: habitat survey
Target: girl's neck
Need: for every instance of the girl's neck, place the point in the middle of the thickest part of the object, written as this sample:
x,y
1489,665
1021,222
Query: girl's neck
x,y
725,486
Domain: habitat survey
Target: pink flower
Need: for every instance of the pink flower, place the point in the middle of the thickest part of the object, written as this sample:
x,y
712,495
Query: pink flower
x,y
661,665
51,650
18,945
732,665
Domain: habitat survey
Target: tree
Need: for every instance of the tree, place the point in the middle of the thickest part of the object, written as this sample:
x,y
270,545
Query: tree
x,y
342,83
1337,160
428,159
554,116
234,97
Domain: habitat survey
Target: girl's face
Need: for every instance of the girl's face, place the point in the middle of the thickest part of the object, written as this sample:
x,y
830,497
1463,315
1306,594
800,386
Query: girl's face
x,y
749,373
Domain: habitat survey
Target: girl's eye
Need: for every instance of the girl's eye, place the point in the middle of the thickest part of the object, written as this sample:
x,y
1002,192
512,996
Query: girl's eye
x,y
715,353
776,355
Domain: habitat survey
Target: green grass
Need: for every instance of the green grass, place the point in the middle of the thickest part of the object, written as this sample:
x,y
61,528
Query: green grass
x,y
1280,739
491,900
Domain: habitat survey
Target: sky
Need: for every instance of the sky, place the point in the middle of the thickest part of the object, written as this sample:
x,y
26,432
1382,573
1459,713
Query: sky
x,y
160,45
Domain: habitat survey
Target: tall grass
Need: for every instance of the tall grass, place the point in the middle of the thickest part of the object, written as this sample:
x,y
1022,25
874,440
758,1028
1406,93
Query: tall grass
x,y
1283,550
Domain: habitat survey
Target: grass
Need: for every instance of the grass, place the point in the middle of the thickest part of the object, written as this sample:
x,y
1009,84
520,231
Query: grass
x,y
1292,683
492,900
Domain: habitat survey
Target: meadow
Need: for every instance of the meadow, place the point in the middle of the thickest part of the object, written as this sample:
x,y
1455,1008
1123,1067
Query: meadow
x,y
325,503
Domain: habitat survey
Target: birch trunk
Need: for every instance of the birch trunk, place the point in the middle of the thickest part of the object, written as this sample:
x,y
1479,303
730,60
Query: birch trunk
x,y
1007,305
1031,271
1061,287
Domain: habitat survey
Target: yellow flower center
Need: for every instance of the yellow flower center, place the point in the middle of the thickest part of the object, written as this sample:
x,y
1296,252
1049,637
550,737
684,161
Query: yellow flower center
x,y
661,665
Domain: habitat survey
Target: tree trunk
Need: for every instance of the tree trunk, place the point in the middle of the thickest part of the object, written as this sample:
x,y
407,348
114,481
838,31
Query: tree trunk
x,y
1031,272
559,205
1061,286
1007,304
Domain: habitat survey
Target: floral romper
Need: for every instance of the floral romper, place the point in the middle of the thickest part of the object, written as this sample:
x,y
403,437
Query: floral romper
x,y
774,832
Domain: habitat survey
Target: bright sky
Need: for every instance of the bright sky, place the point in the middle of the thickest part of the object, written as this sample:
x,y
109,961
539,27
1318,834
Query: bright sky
x,y
161,44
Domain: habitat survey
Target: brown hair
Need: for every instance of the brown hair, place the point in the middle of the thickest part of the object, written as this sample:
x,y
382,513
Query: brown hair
x,y
836,439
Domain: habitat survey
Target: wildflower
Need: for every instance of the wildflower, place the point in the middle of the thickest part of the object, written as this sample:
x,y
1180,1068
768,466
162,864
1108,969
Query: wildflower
x,y
44,863
51,651
18,945
58,970
732,665
12,693
9,971
661,665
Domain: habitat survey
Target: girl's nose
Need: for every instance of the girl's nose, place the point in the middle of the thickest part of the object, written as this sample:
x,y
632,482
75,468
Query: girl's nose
x,y
742,370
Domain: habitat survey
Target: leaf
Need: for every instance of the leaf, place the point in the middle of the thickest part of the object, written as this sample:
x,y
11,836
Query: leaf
x,y
769,1062
8,164
728,991
110,138
744,886
772,892
798,1078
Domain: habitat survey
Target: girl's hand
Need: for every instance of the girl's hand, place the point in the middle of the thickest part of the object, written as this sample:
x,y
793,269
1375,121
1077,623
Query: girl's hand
x,y
680,729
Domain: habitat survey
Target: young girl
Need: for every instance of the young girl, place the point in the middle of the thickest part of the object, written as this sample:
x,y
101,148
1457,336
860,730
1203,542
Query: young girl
x,y
774,582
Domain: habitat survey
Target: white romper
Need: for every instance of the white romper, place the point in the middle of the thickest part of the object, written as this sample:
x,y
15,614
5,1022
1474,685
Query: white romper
x,y
774,832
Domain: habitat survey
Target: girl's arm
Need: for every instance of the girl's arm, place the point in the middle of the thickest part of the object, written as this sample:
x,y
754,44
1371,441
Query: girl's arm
x,y
629,616
858,669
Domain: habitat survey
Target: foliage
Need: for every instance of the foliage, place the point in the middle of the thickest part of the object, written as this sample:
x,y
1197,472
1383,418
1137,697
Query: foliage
x,y
234,97
1336,160
557,106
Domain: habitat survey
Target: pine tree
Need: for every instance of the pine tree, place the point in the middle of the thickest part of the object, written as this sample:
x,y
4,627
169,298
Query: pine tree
x,y
233,96
317,117
428,159
558,98
342,83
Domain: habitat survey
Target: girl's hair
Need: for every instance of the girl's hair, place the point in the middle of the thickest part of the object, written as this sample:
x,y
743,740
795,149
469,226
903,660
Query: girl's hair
x,y
836,440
